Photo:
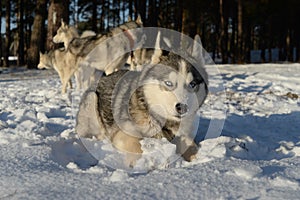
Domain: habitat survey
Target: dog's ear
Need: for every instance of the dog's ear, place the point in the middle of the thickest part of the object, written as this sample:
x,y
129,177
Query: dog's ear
x,y
41,54
197,46
62,22
63,25
157,52
139,20
197,49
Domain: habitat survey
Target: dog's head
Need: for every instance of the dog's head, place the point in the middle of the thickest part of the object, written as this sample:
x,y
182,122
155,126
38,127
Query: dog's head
x,y
65,34
173,88
45,61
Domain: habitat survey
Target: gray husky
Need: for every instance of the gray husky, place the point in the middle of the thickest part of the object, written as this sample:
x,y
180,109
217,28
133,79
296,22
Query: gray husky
x,y
160,101
93,51
56,59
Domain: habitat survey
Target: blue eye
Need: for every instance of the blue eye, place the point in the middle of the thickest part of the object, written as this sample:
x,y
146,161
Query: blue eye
x,y
169,83
192,84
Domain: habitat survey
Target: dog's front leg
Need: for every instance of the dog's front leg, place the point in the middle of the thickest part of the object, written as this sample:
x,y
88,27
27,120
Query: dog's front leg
x,y
64,87
186,147
70,84
129,145
62,80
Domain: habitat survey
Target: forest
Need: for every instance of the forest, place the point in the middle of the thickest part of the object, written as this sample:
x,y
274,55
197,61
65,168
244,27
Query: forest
x,y
230,30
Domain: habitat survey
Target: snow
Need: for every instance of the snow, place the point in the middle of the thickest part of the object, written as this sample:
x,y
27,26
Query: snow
x,y
256,157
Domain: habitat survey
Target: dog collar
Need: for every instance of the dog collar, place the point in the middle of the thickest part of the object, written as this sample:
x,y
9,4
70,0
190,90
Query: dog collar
x,y
130,38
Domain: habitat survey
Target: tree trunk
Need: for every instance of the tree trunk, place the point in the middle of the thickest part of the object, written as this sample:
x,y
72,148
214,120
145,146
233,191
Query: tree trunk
x,y
102,17
297,45
94,16
233,48
270,54
240,33
289,46
58,10
7,33
21,34
130,7
263,50
178,21
247,42
152,14
136,7
223,39
1,63
36,36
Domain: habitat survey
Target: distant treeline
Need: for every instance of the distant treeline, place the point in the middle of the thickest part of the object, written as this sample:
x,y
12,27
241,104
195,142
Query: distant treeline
x,y
229,29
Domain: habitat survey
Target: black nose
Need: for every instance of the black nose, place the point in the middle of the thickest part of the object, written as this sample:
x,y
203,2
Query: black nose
x,y
181,108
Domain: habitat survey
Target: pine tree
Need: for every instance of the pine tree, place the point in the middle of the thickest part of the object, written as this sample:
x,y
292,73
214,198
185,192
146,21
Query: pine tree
x,y
37,33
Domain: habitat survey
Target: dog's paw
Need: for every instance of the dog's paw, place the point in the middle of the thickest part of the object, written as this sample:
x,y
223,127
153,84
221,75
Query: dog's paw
x,y
190,153
186,147
131,160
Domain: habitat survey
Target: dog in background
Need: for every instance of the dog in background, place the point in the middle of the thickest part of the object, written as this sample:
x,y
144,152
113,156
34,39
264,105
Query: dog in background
x,y
92,52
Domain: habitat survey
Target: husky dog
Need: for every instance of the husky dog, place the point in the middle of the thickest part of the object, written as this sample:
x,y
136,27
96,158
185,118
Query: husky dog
x,y
56,59
100,58
97,51
65,34
91,52
159,101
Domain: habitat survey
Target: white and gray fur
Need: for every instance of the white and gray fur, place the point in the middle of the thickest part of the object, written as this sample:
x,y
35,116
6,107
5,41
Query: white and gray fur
x,y
161,100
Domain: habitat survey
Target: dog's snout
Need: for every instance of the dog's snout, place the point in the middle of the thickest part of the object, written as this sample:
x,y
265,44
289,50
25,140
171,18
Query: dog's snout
x,y
181,108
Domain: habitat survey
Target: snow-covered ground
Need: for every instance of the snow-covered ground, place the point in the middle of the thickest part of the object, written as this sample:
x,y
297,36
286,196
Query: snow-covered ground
x,y
256,157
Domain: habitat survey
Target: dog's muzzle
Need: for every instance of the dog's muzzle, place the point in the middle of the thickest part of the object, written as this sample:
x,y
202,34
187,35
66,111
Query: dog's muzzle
x,y
181,108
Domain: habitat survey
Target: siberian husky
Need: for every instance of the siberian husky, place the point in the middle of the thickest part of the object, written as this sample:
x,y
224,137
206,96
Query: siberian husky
x,y
65,34
101,57
160,101
56,59
77,58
